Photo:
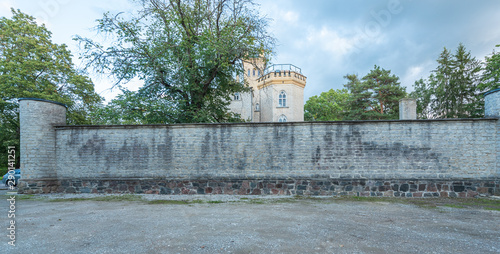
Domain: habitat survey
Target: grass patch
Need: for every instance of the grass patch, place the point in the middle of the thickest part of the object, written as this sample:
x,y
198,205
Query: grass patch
x,y
25,197
68,199
175,202
168,202
492,208
426,203
215,202
128,197
454,206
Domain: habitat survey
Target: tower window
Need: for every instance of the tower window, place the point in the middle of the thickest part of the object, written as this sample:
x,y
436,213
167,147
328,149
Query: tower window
x,y
237,96
282,99
258,72
248,73
282,119
257,107
254,72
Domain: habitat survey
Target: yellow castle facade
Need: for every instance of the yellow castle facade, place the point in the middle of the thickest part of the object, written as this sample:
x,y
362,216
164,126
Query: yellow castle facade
x,y
277,93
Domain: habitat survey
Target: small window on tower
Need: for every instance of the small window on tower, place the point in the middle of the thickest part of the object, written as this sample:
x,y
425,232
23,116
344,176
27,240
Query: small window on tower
x,y
248,73
282,99
254,72
237,96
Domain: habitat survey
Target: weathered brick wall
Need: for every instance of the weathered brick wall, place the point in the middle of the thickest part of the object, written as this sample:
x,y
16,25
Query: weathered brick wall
x,y
408,158
418,149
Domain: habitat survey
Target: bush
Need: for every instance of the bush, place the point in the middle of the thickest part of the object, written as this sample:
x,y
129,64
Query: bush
x,y
3,171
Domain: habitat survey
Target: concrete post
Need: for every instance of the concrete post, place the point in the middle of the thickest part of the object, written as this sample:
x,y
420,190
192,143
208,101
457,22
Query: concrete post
x,y
407,109
492,109
492,103
38,138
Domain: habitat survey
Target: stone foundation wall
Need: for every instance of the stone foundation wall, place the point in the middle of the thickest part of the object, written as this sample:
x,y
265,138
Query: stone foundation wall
x,y
309,187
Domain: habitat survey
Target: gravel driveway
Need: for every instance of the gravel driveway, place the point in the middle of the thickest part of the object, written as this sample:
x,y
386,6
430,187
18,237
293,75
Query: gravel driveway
x,y
229,224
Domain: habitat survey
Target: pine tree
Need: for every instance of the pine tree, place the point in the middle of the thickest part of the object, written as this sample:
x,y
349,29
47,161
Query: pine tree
x,y
453,89
491,76
376,96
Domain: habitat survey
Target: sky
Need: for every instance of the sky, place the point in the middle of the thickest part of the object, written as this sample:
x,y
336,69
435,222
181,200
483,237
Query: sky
x,y
327,39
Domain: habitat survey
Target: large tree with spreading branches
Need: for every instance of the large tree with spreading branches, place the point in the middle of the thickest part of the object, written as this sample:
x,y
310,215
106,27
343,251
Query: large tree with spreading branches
x,y
188,53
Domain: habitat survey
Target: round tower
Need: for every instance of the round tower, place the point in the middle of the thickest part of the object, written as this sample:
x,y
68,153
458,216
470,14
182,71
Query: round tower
x,y
492,103
38,138
281,93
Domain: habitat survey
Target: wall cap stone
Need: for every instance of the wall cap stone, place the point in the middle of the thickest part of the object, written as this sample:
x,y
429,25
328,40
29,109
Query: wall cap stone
x,y
187,125
491,91
38,99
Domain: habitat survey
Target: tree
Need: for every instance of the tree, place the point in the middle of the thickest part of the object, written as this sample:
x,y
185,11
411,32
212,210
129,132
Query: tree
x,y
375,97
491,75
191,50
453,89
32,66
328,106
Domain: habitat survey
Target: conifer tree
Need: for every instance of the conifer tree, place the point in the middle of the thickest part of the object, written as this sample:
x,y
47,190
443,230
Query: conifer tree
x,y
453,89
375,97
491,75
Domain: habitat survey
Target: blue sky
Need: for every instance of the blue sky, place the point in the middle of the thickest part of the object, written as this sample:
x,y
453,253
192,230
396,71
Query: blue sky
x,y
326,38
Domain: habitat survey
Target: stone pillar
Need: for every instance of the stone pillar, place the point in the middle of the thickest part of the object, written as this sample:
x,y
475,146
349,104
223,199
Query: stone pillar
x,y
492,103
407,109
492,109
38,137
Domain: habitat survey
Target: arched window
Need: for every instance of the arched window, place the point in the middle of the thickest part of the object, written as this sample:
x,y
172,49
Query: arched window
x,y
254,72
282,119
248,72
257,107
237,96
282,99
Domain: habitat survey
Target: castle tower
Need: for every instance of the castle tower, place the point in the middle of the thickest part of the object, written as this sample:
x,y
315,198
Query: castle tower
x,y
277,93
38,137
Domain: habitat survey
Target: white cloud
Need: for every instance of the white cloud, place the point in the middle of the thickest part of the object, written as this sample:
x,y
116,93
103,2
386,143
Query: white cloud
x,y
290,17
414,73
328,40
5,8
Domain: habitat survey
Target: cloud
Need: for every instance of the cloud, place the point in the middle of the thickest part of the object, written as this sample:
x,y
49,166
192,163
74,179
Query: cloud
x,y
5,8
336,44
291,17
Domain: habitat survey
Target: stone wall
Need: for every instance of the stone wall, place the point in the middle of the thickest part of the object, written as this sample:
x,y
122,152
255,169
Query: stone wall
x,y
442,149
324,187
409,158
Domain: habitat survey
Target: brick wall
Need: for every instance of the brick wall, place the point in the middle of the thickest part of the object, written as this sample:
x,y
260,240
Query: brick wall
x,y
38,138
437,149
410,158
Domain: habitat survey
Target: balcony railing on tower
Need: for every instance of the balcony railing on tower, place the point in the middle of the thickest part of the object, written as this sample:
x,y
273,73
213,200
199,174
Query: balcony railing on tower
x,y
282,70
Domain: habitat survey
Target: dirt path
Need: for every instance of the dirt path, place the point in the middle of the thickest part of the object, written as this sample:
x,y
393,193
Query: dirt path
x,y
223,225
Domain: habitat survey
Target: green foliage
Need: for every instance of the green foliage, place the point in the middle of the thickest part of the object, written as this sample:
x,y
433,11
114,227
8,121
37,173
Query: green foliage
x,y
328,106
32,66
453,90
375,97
3,171
491,75
189,52
148,105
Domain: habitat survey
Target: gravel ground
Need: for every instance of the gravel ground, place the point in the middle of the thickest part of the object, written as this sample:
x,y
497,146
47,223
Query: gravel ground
x,y
254,224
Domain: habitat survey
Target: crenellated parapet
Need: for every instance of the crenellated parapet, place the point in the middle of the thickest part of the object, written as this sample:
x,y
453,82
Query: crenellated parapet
x,y
282,74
